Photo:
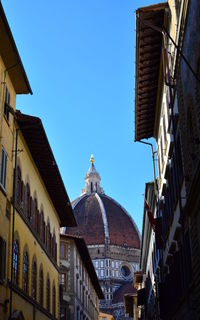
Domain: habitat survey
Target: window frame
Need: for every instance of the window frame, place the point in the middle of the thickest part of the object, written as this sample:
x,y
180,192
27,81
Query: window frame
x,y
26,272
34,281
63,280
41,287
54,301
6,103
3,167
16,257
48,294
64,246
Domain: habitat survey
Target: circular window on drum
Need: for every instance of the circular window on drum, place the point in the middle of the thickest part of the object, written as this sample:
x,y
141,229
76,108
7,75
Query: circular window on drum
x,y
125,271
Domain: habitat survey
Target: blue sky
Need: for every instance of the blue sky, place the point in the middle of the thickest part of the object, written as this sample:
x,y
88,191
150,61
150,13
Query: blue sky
x,y
79,56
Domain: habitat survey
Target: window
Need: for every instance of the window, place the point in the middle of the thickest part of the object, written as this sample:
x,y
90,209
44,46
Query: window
x,y
19,186
42,227
41,287
54,302
2,259
48,238
77,313
6,103
25,272
102,272
35,215
48,294
16,262
107,263
34,280
3,167
64,248
125,271
177,6
64,281
96,263
54,247
28,203
102,264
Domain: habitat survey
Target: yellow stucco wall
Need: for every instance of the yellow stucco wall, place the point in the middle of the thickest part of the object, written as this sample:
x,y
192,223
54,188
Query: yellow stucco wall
x,y
6,140
31,174
28,240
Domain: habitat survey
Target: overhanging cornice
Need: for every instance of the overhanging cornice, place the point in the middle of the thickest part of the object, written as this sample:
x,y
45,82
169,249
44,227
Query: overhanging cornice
x,y
148,58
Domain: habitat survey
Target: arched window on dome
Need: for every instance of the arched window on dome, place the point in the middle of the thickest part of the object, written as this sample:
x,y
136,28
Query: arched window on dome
x,y
91,185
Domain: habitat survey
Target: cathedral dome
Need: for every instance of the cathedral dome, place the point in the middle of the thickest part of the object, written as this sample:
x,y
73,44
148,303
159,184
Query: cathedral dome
x,y
112,238
101,219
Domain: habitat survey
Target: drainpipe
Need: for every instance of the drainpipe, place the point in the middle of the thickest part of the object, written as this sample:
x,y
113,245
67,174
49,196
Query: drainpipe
x,y
153,158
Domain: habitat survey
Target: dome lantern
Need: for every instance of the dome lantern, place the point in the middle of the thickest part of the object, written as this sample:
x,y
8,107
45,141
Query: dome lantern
x,y
92,179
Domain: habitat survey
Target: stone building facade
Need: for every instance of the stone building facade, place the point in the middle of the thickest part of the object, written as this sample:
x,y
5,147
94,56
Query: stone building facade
x,y
79,283
112,238
167,108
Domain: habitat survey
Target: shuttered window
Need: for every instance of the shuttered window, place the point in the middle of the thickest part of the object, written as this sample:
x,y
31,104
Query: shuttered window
x,y
25,272
6,103
3,167
16,262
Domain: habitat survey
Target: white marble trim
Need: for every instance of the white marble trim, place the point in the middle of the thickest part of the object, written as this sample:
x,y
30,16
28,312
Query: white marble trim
x,y
104,217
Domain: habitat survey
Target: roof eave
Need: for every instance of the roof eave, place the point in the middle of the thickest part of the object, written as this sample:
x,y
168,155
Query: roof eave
x,y
35,137
144,80
11,57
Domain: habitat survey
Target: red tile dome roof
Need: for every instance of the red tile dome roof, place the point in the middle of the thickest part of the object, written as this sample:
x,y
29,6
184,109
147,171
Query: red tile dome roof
x,y
99,217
